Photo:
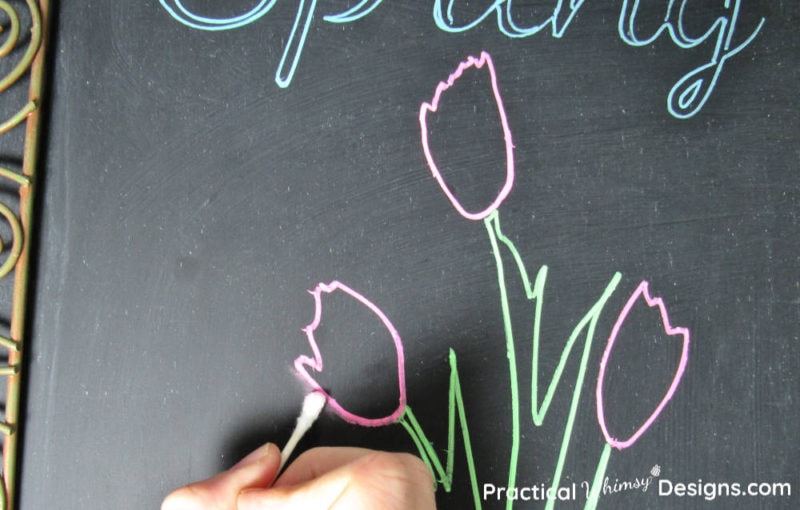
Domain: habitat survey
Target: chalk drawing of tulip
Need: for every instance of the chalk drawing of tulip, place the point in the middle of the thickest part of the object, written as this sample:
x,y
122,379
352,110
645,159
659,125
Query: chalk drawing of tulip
x,y
483,62
640,295
303,363
442,471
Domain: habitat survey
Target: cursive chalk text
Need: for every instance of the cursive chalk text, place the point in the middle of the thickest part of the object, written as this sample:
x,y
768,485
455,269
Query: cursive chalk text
x,y
686,97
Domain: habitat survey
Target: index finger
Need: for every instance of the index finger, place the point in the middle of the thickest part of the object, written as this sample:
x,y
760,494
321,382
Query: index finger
x,y
314,463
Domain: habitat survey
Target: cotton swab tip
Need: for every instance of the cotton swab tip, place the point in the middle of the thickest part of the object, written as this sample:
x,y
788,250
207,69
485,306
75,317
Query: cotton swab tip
x,y
312,407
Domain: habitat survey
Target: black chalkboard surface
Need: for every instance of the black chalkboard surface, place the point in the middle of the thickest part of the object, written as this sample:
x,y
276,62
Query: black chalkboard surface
x,y
553,245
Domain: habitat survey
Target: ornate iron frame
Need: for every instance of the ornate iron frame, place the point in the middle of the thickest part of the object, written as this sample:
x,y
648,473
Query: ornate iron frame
x,y
16,264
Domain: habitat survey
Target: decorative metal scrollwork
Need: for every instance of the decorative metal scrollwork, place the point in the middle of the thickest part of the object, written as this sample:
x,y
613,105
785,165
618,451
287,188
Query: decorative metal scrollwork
x,y
22,57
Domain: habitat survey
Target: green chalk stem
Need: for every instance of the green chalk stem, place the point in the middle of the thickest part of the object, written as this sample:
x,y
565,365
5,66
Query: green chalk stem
x,y
588,324
444,473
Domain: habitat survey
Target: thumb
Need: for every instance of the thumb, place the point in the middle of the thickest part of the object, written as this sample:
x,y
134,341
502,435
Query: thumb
x,y
327,492
257,470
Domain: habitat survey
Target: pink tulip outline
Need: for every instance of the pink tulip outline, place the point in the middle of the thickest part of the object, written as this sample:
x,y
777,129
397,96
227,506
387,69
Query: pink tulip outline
x,y
315,362
433,106
643,291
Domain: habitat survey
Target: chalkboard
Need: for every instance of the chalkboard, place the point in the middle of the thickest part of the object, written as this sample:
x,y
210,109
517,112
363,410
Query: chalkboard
x,y
553,245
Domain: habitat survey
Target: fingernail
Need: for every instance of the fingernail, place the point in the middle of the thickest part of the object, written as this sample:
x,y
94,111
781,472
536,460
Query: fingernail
x,y
260,454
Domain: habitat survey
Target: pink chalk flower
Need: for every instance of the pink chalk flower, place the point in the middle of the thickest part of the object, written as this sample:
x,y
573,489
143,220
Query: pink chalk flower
x,y
483,62
642,292
302,363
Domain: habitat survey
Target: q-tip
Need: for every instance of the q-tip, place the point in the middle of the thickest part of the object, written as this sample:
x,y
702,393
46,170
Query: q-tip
x,y
313,404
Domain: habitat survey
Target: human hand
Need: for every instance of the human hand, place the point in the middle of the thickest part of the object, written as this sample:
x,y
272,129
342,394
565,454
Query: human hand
x,y
321,478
